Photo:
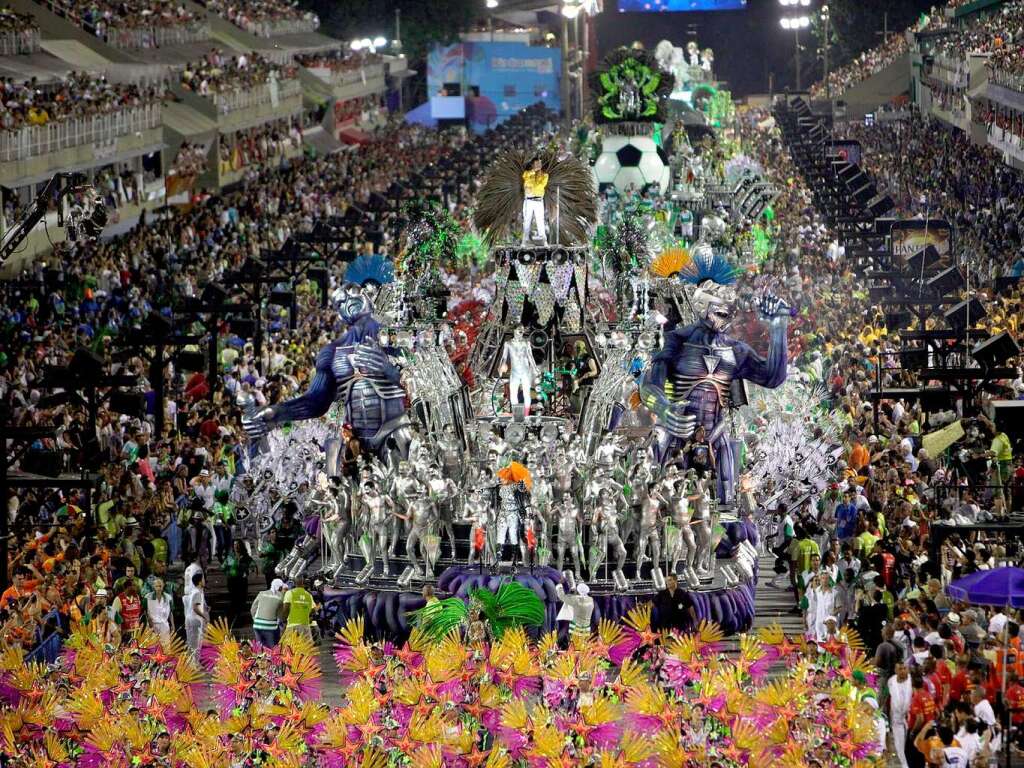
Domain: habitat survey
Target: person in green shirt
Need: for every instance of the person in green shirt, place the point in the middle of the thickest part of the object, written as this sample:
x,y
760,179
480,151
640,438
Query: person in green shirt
x,y
223,516
237,565
1001,452
298,608
270,556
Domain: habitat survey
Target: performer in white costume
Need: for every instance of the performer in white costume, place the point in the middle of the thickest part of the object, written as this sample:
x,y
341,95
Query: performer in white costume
x,y
517,361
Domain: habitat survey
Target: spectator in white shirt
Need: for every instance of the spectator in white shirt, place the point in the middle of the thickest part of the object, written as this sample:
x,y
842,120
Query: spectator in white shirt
x,y
985,714
197,615
900,692
158,610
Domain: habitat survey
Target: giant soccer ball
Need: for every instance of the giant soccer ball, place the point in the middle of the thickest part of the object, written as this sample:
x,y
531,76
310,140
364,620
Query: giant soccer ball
x,y
632,161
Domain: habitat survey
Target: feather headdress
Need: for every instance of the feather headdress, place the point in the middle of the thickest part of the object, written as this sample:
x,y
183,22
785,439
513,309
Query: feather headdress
x,y
570,200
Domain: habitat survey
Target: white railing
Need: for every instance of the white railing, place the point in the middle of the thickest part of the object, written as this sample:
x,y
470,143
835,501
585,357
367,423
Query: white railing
x,y
18,43
280,27
37,140
344,77
157,36
1008,80
242,98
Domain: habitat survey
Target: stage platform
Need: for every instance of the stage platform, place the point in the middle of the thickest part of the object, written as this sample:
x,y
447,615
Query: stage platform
x,y
386,605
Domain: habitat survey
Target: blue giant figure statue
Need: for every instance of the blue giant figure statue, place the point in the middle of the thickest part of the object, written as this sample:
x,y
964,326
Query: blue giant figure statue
x,y
689,383
355,372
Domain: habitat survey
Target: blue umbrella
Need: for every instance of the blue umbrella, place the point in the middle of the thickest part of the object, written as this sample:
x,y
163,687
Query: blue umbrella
x,y
1001,586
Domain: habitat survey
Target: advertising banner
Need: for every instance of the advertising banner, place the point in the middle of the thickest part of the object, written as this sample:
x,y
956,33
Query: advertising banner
x,y
497,80
848,149
911,235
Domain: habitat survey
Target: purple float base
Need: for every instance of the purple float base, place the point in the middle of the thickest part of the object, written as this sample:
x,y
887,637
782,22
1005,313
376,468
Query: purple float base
x,y
385,611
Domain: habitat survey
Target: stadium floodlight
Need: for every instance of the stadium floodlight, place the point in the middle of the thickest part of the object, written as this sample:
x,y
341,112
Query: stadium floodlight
x,y
802,21
784,22
492,3
356,45
379,42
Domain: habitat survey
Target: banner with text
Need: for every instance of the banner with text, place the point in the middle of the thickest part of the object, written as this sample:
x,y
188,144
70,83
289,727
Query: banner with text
x,y
911,235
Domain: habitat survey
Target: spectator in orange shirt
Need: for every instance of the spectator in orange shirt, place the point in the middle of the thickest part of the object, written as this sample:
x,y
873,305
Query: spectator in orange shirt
x,y
21,587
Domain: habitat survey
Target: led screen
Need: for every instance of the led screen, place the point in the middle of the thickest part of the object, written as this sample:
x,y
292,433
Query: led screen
x,y
677,6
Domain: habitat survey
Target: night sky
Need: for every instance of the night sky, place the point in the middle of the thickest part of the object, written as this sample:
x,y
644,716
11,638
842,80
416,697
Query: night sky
x,y
748,44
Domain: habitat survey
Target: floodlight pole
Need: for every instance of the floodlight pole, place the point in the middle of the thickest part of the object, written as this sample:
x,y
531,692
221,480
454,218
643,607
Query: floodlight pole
x,y
796,55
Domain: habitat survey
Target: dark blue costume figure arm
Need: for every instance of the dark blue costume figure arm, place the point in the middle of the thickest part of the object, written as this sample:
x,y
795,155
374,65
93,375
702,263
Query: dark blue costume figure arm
x,y
767,371
318,397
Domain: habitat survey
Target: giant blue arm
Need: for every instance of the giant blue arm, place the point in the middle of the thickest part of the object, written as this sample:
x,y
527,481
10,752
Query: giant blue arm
x,y
317,399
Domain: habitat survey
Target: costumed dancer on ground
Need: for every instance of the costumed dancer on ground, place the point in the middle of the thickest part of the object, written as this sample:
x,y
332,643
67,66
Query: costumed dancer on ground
x,y
576,608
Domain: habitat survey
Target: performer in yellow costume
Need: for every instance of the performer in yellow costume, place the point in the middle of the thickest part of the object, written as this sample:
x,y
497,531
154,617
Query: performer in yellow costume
x,y
535,182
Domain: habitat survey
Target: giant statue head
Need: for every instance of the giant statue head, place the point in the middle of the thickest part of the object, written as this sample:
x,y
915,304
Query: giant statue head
x,y
352,303
714,303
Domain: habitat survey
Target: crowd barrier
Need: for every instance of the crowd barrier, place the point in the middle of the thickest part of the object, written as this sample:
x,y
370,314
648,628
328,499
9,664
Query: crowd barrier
x,y
157,36
245,98
343,77
1009,80
19,43
37,140
146,36
279,27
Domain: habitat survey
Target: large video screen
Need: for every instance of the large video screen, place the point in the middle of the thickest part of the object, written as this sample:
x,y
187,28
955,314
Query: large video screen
x,y
679,6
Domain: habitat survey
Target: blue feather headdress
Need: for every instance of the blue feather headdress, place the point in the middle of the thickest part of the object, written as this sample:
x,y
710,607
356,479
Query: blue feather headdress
x,y
365,269
708,265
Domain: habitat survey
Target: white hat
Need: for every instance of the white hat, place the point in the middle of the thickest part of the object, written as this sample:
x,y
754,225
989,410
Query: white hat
x,y
276,585
582,589
833,619
953,618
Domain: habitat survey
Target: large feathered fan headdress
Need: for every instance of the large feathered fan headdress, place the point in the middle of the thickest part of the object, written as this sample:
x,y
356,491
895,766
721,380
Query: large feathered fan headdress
x,y
570,199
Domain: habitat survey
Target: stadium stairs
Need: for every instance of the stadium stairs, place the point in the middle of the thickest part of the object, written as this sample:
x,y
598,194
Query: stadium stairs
x,y
881,88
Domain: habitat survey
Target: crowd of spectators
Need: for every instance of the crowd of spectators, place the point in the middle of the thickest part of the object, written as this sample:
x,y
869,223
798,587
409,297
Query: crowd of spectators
x,y
265,17
190,160
219,73
19,32
104,18
931,169
997,33
863,66
79,95
259,145
164,503
858,558
339,60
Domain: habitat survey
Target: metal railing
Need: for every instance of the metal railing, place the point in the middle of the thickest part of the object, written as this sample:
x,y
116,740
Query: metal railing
x,y
38,140
246,98
19,43
1009,80
345,77
157,36
280,27
147,36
